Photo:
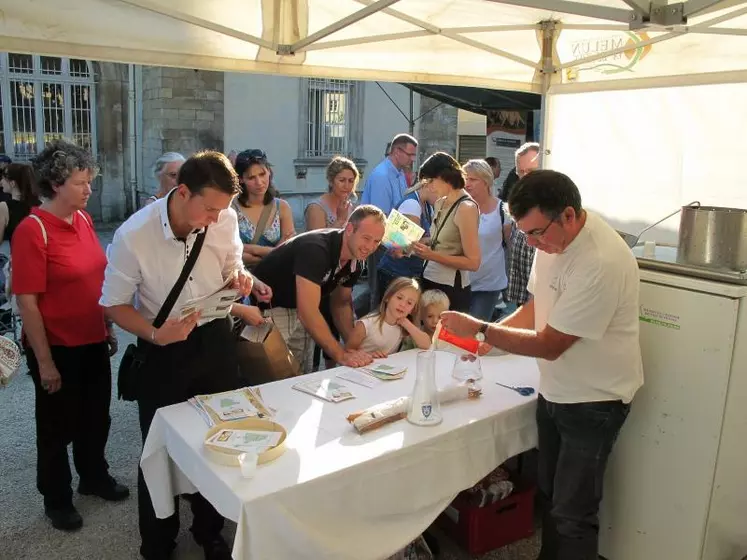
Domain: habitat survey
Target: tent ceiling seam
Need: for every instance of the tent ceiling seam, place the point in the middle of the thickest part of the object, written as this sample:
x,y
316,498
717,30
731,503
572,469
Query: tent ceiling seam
x,y
199,22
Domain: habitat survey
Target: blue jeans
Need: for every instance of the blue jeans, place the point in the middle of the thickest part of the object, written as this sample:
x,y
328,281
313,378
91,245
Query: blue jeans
x,y
574,443
482,304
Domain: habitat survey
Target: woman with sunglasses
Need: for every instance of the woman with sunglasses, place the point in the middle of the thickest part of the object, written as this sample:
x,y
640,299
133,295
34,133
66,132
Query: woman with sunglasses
x,y
17,181
454,247
265,221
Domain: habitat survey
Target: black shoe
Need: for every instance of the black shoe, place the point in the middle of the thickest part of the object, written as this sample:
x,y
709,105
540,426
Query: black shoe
x,y
216,549
109,490
64,519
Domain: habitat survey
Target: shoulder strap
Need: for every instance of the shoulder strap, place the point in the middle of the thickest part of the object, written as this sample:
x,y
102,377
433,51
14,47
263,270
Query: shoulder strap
x,y
178,286
44,230
503,221
434,239
263,217
41,225
85,218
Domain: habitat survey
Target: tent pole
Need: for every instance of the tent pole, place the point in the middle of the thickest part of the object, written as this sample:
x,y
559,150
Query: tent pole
x,y
549,37
411,120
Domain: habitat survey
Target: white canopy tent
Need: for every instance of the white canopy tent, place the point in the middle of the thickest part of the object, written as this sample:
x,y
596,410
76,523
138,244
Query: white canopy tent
x,y
491,43
554,47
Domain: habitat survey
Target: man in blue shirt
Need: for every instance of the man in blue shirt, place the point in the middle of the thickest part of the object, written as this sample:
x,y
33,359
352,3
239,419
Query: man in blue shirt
x,y
386,184
385,188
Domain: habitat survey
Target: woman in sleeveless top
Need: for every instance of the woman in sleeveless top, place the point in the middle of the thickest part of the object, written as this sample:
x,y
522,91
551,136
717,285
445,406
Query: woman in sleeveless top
x,y
494,232
454,249
331,210
257,205
18,181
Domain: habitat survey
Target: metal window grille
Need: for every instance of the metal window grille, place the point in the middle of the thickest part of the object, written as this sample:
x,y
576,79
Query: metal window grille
x,y
43,98
79,68
23,110
51,65
328,124
81,116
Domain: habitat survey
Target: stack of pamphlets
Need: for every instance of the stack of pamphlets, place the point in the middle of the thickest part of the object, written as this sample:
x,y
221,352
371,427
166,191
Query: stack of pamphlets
x,y
213,306
230,405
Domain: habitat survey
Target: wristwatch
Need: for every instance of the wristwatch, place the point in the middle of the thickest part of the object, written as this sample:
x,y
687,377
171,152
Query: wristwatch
x,y
480,336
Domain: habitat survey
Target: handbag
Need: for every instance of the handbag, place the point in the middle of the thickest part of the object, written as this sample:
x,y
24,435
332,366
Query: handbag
x,y
263,354
132,366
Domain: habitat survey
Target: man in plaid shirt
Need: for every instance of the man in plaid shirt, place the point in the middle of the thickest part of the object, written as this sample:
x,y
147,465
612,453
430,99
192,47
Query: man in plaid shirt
x,y
521,255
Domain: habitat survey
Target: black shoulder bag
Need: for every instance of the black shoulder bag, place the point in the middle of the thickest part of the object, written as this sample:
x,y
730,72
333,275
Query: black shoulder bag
x,y
132,366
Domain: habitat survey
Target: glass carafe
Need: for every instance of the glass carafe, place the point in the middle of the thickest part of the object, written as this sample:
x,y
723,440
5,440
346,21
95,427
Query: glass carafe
x,y
425,409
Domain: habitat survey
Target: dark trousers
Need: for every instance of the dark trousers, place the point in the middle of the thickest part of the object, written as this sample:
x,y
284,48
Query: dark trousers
x,y
459,297
575,441
78,413
204,363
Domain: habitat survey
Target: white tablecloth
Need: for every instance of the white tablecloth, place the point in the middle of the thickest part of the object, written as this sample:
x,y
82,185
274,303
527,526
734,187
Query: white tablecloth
x,y
335,494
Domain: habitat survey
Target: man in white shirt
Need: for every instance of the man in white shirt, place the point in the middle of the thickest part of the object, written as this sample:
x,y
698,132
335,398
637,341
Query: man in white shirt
x,y
185,356
582,326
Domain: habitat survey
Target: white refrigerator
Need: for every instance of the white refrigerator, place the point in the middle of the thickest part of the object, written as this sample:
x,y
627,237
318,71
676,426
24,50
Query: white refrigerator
x,y
676,484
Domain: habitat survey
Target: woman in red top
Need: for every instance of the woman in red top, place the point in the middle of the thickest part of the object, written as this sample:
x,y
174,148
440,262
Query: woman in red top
x,y
58,271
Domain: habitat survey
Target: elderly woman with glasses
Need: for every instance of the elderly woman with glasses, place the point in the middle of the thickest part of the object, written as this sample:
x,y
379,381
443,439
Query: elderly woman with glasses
x,y
58,283
166,172
265,221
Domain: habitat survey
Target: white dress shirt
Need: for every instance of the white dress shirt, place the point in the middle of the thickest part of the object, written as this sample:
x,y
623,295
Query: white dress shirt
x,y
145,259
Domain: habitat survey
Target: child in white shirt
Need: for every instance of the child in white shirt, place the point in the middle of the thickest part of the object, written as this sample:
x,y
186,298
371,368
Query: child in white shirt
x,y
381,333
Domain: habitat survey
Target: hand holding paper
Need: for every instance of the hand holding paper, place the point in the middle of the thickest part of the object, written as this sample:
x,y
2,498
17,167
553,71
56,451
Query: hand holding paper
x,y
401,232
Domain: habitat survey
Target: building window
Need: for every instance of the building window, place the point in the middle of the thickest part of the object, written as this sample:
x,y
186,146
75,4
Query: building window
x,y
43,98
329,118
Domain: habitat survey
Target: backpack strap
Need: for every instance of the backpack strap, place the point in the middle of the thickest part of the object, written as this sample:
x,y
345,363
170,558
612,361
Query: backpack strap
x,y
41,225
503,221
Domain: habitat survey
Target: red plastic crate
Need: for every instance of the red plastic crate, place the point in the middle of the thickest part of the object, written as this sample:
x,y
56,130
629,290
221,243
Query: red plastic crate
x,y
482,529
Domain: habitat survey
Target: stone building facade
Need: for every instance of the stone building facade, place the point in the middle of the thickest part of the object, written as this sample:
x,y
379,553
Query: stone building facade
x,y
129,115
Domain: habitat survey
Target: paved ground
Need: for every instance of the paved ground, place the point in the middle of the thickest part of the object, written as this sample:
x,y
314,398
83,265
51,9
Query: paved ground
x,y
110,530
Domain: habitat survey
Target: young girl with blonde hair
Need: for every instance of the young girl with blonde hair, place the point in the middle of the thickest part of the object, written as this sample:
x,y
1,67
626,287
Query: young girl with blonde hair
x,y
380,333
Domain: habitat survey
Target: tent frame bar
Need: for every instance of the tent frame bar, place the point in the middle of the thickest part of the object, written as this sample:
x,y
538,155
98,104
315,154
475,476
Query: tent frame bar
x,y
694,7
337,26
577,8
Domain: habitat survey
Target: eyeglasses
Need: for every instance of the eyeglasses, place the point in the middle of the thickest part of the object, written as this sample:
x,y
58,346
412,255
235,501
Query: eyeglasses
x,y
408,154
172,174
536,233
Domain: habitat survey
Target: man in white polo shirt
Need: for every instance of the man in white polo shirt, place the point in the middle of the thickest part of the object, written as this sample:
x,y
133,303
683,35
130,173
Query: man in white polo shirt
x,y
582,326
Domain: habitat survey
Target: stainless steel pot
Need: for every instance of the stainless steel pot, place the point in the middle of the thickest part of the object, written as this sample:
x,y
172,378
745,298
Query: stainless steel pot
x,y
714,237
